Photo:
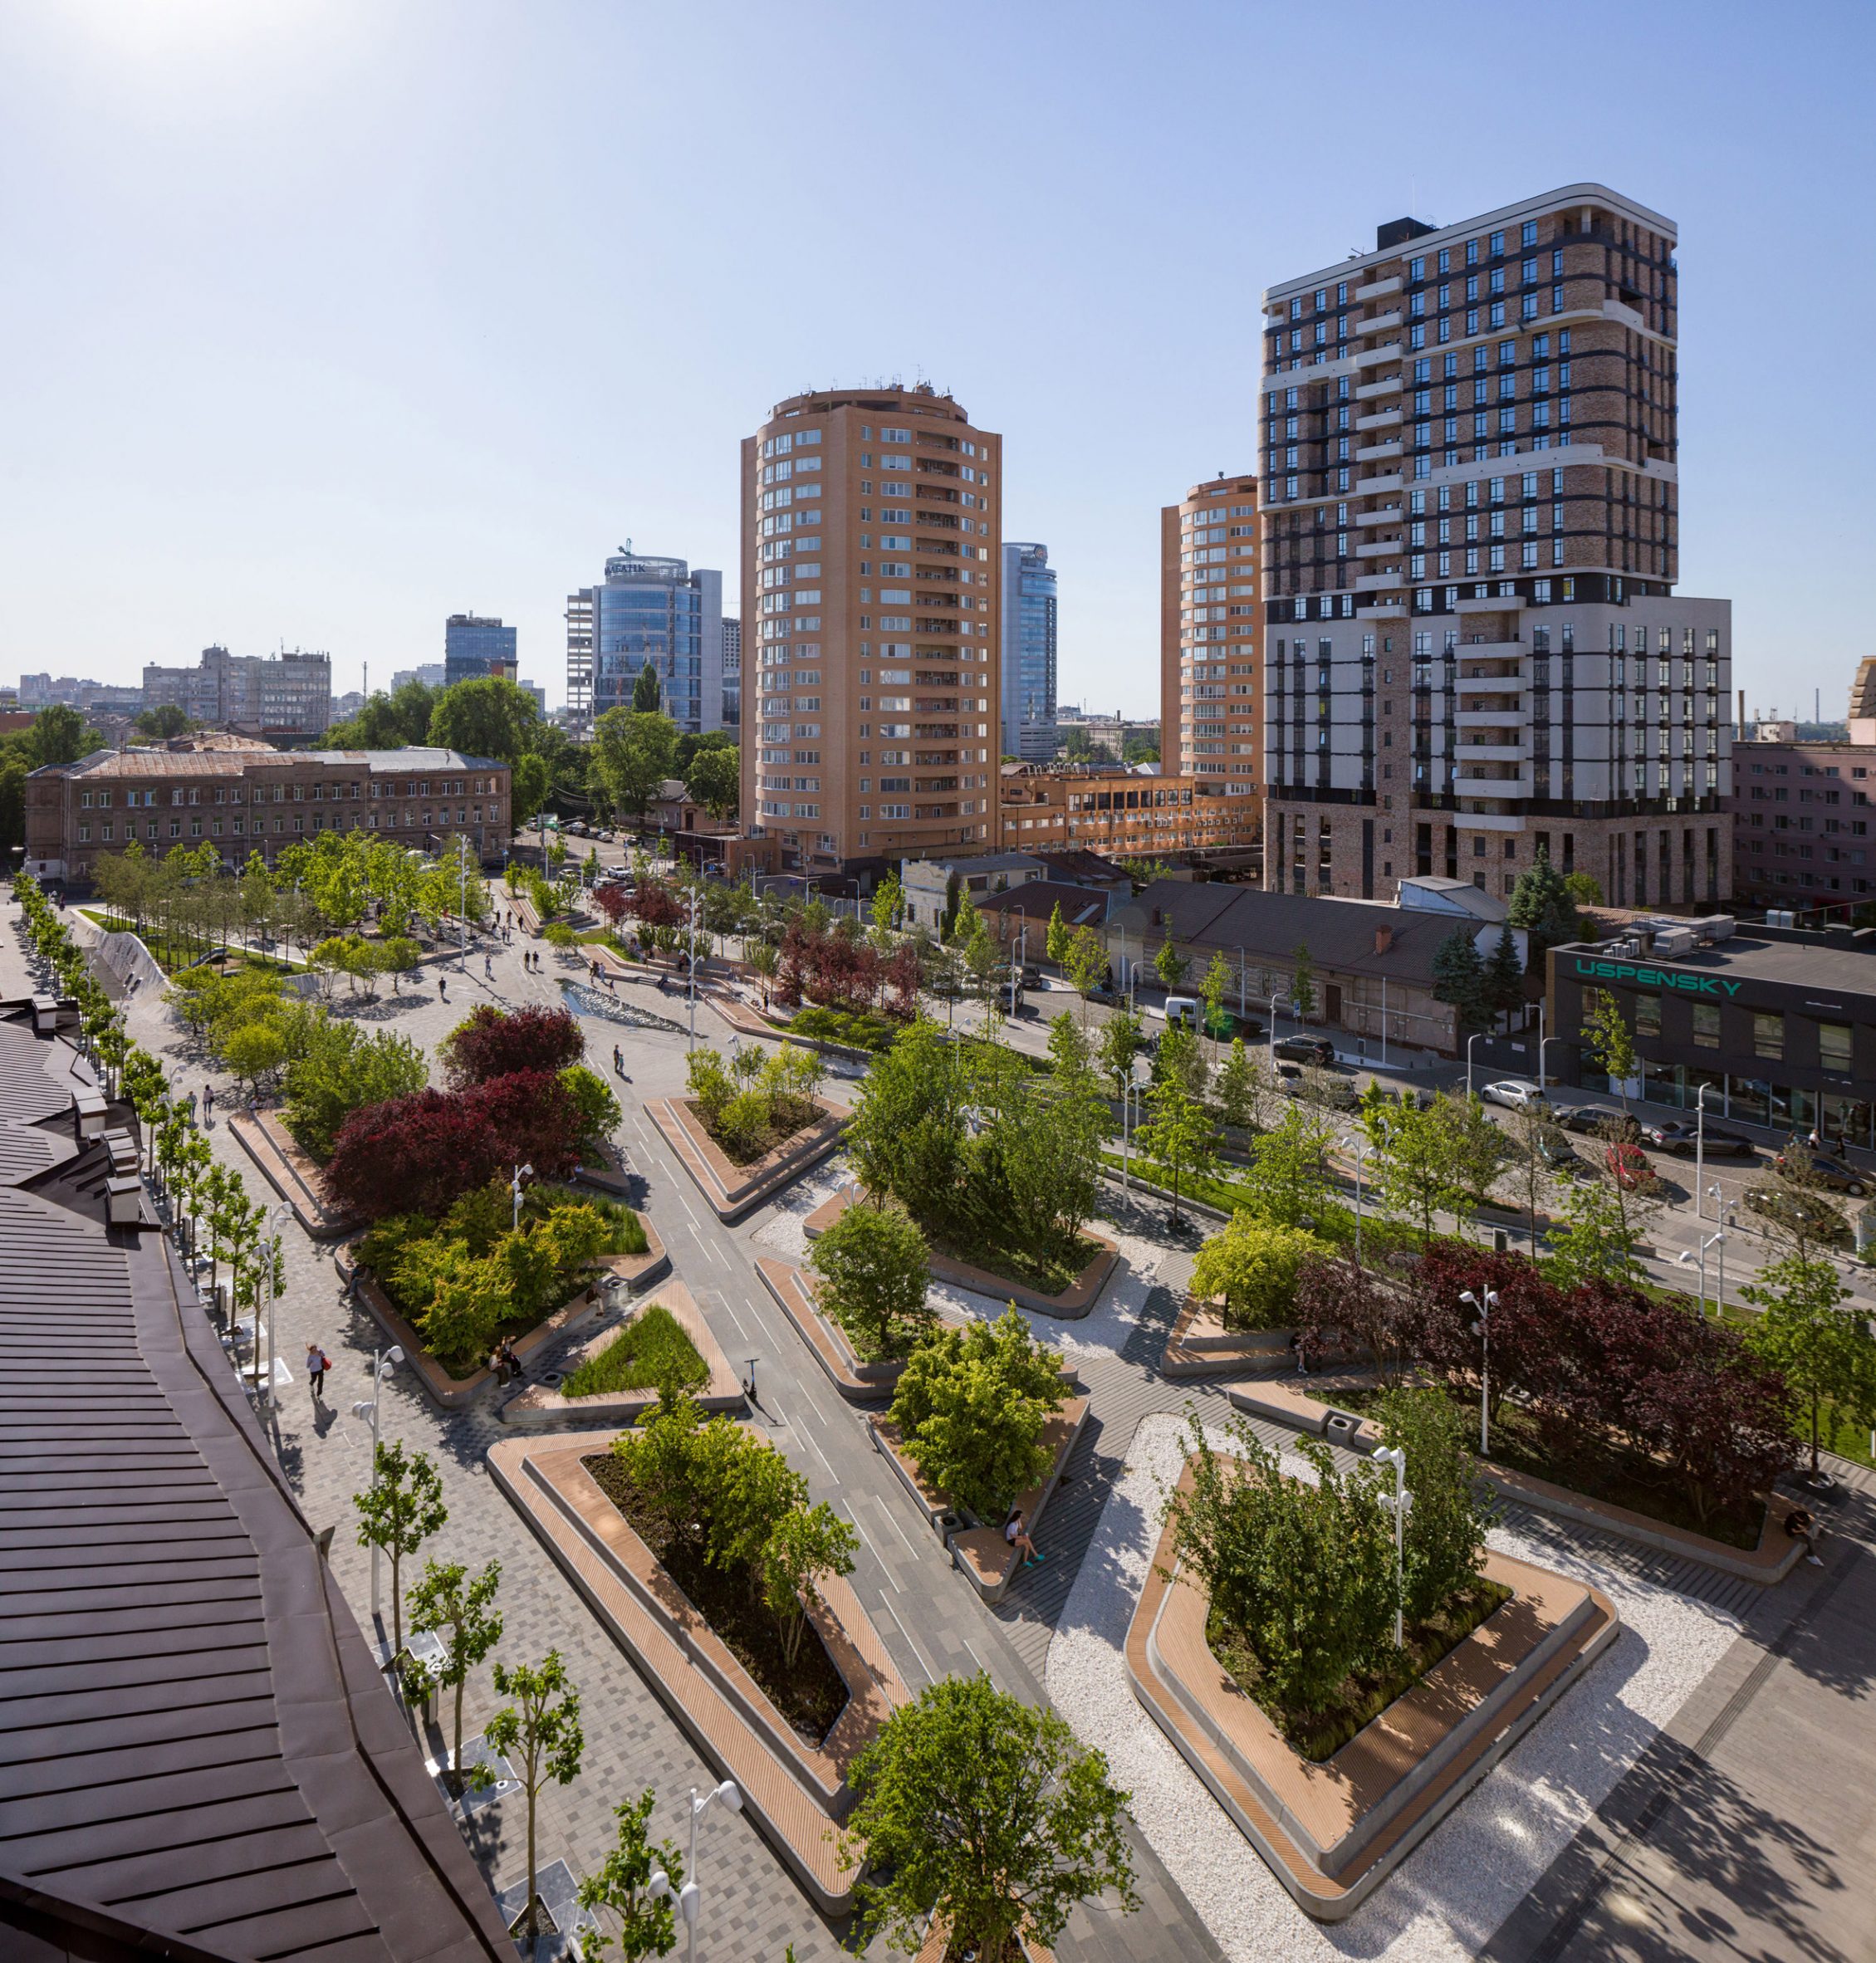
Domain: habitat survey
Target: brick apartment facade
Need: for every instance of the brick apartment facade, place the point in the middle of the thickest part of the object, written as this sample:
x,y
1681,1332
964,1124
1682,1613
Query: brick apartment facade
x,y
1801,818
1210,639
872,530
247,801
1470,524
1120,814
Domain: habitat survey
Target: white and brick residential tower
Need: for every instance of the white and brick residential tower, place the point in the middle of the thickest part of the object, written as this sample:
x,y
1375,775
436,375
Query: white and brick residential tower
x,y
1474,649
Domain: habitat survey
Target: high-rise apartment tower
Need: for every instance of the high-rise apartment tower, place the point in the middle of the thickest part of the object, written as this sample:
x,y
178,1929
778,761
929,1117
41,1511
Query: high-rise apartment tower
x,y
1473,650
871,535
732,671
1029,653
1211,637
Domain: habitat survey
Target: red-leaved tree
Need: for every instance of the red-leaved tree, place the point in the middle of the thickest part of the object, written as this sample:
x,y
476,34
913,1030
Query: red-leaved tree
x,y
610,901
1524,1323
495,1042
655,905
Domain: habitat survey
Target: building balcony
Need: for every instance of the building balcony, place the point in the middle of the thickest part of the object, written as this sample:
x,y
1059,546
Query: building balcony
x,y
1374,357
1373,548
1478,752
1468,684
1386,514
1376,289
1373,487
1512,719
1466,820
1492,650
1383,581
1387,385
1385,609
1380,323
1379,419
1476,784
1376,453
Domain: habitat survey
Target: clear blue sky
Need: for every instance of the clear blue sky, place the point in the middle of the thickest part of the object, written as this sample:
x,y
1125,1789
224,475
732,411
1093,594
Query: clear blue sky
x,y
327,318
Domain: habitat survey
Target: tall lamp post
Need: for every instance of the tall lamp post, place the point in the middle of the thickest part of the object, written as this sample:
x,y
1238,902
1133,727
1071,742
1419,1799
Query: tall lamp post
x,y
1470,1041
658,1887
383,1363
522,1173
1360,1151
1396,1457
1482,1329
1700,1151
691,1041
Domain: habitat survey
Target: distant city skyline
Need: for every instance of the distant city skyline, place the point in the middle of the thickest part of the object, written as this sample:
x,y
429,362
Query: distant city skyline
x,y
259,411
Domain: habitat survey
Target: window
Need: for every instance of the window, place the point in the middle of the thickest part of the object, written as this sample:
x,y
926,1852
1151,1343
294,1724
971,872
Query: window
x,y
1768,1036
1707,1026
1647,1016
1833,1045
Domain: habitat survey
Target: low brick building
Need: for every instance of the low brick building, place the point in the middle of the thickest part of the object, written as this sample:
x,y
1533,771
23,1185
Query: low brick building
x,y
251,800
1121,814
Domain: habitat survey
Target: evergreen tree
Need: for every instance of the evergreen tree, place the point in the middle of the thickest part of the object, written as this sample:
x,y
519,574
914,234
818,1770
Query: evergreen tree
x,y
1503,979
1459,980
1543,905
647,698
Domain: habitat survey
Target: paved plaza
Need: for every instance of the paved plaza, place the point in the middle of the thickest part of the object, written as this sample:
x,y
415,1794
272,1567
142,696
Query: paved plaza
x,y
1727,1813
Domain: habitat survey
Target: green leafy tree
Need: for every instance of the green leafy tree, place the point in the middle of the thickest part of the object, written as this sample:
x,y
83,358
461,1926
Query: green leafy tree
x,y
1611,1042
985,1812
648,696
714,780
450,1603
1824,1352
398,1512
1252,1266
1084,962
529,783
1302,981
168,719
1121,1042
1586,888
889,906
598,1115
1243,1089
1543,905
973,1408
1056,943
540,1734
1287,1179
1169,964
489,716
1444,1541
647,1924
872,1272
1596,1240
1299,1573
633,754
1459,980
59,736
803,1545
1218,979
906,1139
1178,1139
1418,1175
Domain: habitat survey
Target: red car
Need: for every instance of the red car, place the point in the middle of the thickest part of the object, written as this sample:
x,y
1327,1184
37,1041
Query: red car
x,y
1629,1167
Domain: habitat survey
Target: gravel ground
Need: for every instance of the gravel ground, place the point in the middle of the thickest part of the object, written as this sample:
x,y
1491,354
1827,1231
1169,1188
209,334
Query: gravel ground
x,y
1449,1895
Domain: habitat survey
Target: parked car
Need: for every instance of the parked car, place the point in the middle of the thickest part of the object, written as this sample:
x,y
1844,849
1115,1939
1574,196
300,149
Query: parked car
x,y
1676,1136
1309,1050
1629,1167
1514,1096
1182,1012
1597,1118
1819,1168
1332,1094
1559,1156
1818,1217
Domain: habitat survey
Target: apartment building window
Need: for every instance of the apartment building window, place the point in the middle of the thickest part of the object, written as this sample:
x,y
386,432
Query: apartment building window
x,y
1833,1045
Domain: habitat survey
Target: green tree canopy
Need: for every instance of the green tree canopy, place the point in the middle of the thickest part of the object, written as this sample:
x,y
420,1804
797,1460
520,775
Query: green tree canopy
x,y
1823,1351
713,778
487,717
59,736
871,1266
1544,906
1252,1265
1459,980
633,752
648,694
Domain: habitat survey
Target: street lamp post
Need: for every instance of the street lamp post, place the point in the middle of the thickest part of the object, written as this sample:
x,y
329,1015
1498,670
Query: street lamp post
x,y
277,1219
1541,1041
522,1173
1129,1095
1394,1456
383,1363
658,1887
1700,1151
1482,1329
1470,1041
691,1041
1360,1151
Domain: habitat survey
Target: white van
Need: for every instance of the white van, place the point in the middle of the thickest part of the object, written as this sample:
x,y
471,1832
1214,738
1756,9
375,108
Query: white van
x,y
1182,1012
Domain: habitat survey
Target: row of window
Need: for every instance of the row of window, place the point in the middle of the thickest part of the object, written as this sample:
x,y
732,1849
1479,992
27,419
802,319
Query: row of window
x,y
237,826
176,795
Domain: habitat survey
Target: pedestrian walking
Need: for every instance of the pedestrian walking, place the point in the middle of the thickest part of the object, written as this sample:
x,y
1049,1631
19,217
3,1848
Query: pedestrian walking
x,y
207,1100
617,1061
318,1365
488,967
443,987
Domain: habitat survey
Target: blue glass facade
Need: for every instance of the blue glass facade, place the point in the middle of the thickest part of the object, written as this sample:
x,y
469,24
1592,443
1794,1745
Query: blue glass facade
x,y
1029,652
653,611
473,647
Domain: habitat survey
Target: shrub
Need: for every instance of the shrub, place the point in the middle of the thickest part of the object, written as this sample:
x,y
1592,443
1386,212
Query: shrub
x,y
341,1069
597,1113
972,1407
1253,1265
493,1042
559,935
859,1030
871,1265
651,1352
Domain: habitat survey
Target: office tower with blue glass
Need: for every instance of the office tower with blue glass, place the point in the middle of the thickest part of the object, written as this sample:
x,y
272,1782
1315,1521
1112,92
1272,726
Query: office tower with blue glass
x,y
474,648
648,611
1029,652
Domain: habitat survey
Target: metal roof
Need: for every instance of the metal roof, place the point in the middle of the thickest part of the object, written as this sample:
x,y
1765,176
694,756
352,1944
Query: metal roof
x,y
195,1744
234,763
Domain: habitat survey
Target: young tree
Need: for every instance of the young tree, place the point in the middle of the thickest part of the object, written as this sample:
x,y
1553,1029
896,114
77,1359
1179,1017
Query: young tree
x,y
1055,944
1824,1352
802,1545
1085,964
1459,980
1444,1541
907,1137
872,1268
1598,1238
972,1407
450,1603
889,905
1611,1041
1169,964
1218,979
1178,1139
648,1923
1288,1176
648,696
1527,1170
984,1812
541,1730
398,1512
1417,1175
1253,1265
1302,981
1122,1040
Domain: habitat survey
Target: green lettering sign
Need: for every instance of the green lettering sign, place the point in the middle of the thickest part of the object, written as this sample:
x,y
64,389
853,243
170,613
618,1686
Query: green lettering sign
x,y
1671,981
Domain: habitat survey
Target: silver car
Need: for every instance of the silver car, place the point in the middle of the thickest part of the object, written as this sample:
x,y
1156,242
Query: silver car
x,y
1514,1096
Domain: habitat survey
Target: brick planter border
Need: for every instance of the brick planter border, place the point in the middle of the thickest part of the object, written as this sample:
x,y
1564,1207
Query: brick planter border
x,y
793,1289
291,1174
1074,1302
1332,1833
1776,1555
732,1190
1199,1345
796,1795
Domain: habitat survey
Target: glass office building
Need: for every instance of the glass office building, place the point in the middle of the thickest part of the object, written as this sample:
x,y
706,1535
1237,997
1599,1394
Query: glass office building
x,y
654,611
1029,652
473,648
